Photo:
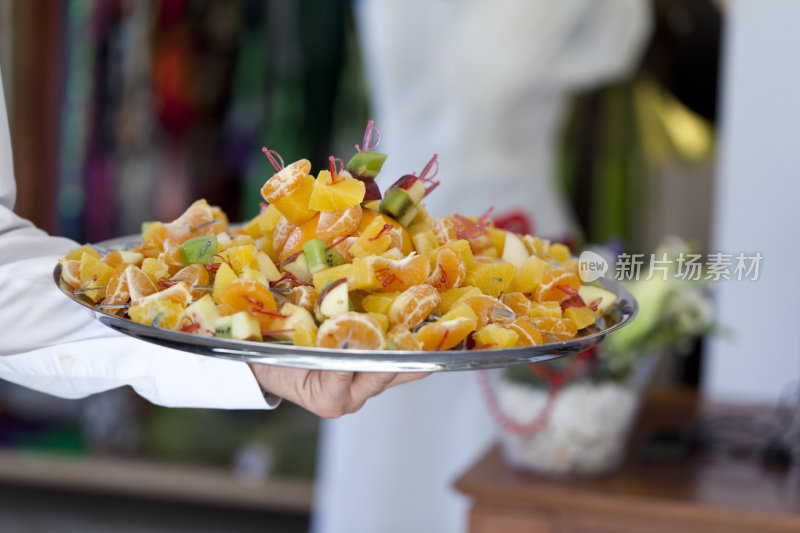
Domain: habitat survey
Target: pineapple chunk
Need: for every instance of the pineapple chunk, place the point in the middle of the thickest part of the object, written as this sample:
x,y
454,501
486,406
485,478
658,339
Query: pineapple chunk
x,y
491,278
495,336
328,195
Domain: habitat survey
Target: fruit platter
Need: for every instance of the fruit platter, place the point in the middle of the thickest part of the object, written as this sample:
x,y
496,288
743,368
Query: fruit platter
x,y
333,274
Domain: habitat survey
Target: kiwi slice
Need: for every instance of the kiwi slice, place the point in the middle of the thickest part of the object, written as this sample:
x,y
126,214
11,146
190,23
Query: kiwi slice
x,y
316,255
199,249
366,164
396,204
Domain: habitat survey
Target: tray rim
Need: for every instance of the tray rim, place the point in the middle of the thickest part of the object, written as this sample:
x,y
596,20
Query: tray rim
x,y
350,360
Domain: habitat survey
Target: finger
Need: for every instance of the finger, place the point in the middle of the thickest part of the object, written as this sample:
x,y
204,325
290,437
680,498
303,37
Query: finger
x,y
406,377
368,384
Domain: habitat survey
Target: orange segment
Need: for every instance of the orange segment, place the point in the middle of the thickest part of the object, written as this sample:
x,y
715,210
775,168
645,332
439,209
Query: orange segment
x,y
527,334
450,270
139,283
283,229
555,329
557,286
117,291
445,229
299,236
413,306
330,195
77,253
70,272
400,274
403,339
444,334
334,225
290,190
253,297
489,310
178,293
155,269
351,330
366,218
518,303
193,275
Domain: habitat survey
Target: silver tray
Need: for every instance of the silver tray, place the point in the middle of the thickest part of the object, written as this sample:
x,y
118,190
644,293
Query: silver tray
x,y
272,353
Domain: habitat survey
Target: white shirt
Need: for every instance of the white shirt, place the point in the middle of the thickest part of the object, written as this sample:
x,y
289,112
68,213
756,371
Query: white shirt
x,y
51,344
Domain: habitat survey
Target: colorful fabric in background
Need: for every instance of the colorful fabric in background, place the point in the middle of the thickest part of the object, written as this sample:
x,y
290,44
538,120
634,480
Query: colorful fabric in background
x,y
166,102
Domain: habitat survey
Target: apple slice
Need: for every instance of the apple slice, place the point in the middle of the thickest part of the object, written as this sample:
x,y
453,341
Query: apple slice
x,y
240,326
203,315
333,300
598,298
514,250
297,265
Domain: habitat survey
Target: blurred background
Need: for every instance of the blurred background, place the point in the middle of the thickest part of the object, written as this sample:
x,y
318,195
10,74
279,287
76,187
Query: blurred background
x,y
126,111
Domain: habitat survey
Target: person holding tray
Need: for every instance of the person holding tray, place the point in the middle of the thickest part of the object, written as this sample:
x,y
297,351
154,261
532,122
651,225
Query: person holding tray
x,y
51,345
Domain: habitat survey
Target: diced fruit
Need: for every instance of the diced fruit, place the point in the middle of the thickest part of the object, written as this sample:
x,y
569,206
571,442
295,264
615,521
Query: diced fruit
x,y
155,269
452,296
255,275
382,320
425,242
518,303
378,302
527,334
402,339
366,164
582,316
450,270
224,277
252,297
200,317
139,284
559,251
290,191
297,266
398,204
94,276
597,298
530,274
267,267
491,278
557,286
332,274
198,250
545,309
514,250
413,306
333,300
331,194
178,293
373,240
264,223
495,336
240,326
70,271
77,253
488,310
351,330
298,326
165,314
398,275
555,329
445,334
333,225
299,236
196,277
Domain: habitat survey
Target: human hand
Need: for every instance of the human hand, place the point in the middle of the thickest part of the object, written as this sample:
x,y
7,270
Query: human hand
x,y
328,393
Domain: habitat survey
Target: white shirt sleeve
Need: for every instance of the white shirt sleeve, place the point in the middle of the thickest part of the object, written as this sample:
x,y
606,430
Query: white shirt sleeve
x,y
51,344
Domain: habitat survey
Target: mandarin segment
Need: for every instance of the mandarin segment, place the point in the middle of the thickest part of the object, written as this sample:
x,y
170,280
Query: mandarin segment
x,y
351,330
450,270
333,225
413,306
445,334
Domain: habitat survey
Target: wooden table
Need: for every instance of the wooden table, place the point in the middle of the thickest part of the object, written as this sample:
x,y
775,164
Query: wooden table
x,y
704,494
